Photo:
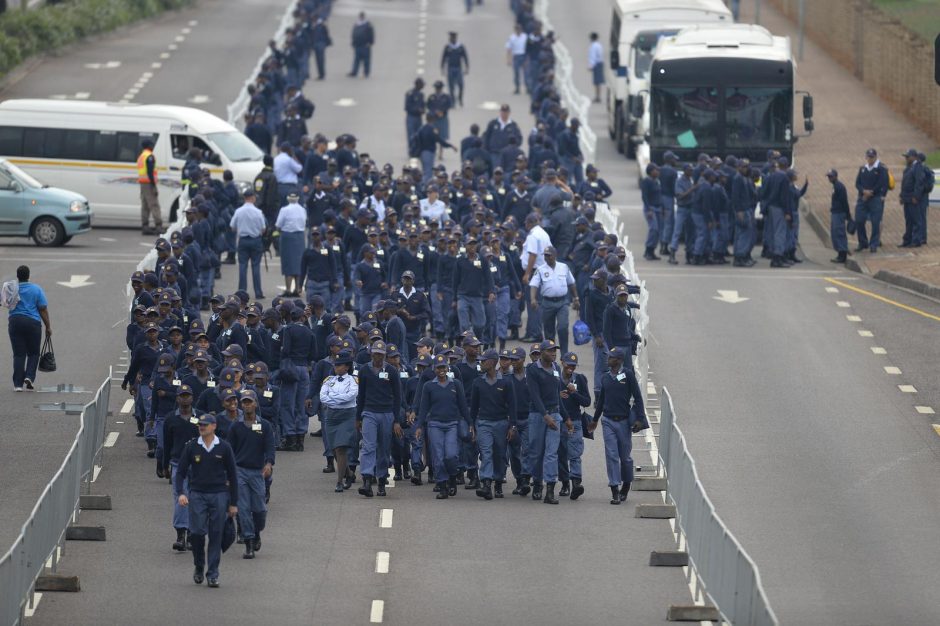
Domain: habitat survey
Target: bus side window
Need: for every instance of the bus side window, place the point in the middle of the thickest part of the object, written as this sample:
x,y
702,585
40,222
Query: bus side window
x,y
11,141
128,146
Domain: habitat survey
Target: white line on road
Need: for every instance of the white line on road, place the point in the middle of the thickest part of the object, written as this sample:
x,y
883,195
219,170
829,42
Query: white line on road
x,y
385,518
865,333
108,239
164,55
907,388
851,318
378,608
172,46
924,410
180,39
193,22
156,66
842,304
94,475
890,369
128,406
121,422
186,31
29,612
381,562
111,439
878,350
832,290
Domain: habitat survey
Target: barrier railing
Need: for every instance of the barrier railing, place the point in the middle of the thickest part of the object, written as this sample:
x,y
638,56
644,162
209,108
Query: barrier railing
x,y
40,543
578,105
728,577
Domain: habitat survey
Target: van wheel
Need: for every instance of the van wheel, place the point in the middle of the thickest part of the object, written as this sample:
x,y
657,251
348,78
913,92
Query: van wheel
x,y
618,132
631,149
48,232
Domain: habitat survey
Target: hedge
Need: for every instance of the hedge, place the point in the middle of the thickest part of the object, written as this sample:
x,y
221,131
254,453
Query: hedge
x,y
50,27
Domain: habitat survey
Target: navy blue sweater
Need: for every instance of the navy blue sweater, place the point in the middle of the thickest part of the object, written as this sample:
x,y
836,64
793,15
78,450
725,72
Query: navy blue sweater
x,y
208,472
298,344
472,278
521,391
442,403
619,327
617,390
253,444
177,431
379,395
544,388
493,402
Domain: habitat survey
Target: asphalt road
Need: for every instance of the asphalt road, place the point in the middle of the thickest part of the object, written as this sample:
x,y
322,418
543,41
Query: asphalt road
x,y
458,562
819,464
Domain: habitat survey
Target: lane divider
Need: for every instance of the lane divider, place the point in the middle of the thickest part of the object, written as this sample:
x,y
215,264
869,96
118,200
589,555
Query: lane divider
x,y
881,298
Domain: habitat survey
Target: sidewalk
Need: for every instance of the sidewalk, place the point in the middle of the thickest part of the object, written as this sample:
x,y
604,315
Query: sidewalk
x,y
849,119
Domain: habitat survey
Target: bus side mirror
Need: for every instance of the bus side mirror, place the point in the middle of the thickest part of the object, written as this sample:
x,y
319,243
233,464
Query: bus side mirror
x,y
807,107
808,126
636,108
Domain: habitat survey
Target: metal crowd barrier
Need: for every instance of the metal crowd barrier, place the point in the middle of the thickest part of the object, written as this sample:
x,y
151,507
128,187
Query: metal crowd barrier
x,y
578,105
41,541
729,578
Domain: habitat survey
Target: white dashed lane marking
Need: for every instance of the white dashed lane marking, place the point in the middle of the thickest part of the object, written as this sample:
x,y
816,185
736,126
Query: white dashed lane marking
x,y
111,439
924,410
378,609
842,304
385,518
907,388
128,406
865,333
853,318
381,562
878,350
892,370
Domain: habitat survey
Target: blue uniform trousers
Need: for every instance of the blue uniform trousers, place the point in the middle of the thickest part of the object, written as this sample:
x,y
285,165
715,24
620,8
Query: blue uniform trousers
x,y
652,225
555,315
376,443
427,165
362,55
250,250
533,326
683,216
142,410
600,364
455,83
840,240
701,233
667,219
515,312
412,126
518,61
252,512
519,448
206,520
471,314
721,235
180,514
442,437
779,233
618,444
871,209
294,394
491,437
503,301
573,447
742,233
921,215
416,446
367,302
318,288
158,435
793,231
543,448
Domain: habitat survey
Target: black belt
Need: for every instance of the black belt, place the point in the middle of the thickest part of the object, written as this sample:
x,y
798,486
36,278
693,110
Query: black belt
x,y
616,418
551,299
551,409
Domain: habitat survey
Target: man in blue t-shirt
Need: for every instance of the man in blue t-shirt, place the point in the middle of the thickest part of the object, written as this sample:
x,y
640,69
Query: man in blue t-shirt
x,y
25,326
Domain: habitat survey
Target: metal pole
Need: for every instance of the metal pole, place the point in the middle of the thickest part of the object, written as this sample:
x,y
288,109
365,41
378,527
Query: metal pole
x,y
802,16
757,11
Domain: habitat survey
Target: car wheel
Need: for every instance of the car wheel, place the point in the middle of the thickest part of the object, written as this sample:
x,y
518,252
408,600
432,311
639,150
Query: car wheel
x,y
48,232
66,240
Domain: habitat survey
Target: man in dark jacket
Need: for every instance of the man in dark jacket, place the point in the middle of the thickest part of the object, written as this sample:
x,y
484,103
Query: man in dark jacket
x,y
363,38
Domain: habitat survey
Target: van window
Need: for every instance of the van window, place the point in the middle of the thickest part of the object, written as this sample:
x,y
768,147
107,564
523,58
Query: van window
x,y
182,143
11,141
62,143
128,146
33,140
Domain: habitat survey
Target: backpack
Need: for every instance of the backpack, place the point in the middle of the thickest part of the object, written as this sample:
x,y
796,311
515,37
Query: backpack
x,y
10,294
929,179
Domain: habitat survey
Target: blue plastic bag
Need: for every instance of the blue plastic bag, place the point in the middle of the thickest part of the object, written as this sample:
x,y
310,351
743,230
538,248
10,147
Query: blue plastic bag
x,y
581,332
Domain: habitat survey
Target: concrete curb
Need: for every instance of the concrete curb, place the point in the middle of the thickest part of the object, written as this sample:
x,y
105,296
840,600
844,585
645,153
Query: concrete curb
x,y
900,280
821,231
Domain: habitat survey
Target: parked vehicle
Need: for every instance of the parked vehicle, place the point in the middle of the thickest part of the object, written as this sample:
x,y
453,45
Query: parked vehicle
x,y
49,215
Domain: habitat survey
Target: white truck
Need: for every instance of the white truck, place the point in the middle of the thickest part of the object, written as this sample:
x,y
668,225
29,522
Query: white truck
x,y
636,27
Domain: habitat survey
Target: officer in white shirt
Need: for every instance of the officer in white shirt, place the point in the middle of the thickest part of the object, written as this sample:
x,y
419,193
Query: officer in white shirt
x,y
533,256
433,208
338,398
596,65
376,202
291,222
515,53
550,288
287,169
249,225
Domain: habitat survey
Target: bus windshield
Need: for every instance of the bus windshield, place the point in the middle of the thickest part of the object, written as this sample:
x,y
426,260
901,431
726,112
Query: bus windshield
x,y
685,117
757,116
236,147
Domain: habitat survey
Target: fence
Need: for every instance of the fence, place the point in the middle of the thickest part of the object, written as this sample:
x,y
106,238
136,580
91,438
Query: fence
x,y
39,544
578,105
728,575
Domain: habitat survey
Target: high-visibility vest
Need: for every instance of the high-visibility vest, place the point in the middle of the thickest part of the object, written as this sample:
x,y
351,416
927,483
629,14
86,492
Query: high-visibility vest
x,y
142,167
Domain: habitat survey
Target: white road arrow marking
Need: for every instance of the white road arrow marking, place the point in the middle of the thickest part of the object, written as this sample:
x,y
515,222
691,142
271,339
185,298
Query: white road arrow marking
x,y
731,297
78,280
345,102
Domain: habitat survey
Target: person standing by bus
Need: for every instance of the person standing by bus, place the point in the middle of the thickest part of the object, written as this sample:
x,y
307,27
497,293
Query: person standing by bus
x,y
27,309
147,179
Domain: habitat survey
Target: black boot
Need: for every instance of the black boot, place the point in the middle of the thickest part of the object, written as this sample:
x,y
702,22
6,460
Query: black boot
x,y
614,494
550,493
151,448
382,482
663,249
498,489
452,486
350,478
565,488
486,491
229,259
180,544
366,489
416,479
672,258
841,258
249,549
577,490
792,256
624,490
442,491
458,480
188,545
514,335
473,479
299,443
406,472
502,345
524,488
536,490
398,474
256,542
330,468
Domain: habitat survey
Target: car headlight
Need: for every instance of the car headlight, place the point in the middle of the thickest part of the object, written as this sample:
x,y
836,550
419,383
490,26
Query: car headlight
x,y
77,206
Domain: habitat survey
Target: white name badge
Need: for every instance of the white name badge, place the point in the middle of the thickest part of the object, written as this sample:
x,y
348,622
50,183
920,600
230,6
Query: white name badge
x,y
501,192
275,336
211,384
319,322
420,256
461,249
383,375
249,340
355,372
413,197
450,375
621,376
432,248
268,394
593,184
377,266
489,197
368,183
380,252
477,263
256,428
555,374
355,189
177,382
502,257
194,420
479,369
403,375
459,194
335,248
324,251
493,269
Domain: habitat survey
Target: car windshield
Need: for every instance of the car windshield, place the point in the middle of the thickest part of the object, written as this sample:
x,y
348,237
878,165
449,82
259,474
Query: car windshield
x,y
14,172
236,147
685,117
757,116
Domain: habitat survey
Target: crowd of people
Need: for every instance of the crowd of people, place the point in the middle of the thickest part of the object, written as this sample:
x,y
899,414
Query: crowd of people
x,y
401,292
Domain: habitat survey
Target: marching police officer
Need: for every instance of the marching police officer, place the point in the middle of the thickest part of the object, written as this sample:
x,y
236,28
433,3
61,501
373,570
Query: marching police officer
x,y
378,416
441,408
493,412
545,420
338,411
575,397
178,429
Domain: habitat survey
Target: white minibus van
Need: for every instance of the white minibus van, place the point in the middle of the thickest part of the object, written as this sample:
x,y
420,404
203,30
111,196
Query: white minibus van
x,y
92,148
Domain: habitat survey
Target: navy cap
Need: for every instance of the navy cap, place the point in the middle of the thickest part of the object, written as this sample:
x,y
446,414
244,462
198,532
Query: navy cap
x,y
472,341
200,355
569,358
490,354
233,350
441,361
184,390
548,344
343,358
165,363
517,354
871,152
378,347
615,353
911,152
424,360
227,377
832,173
248,394
206,419
535,348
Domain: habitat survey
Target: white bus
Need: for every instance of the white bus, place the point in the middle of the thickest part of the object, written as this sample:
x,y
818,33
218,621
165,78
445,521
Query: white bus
x,y
636,26
92,148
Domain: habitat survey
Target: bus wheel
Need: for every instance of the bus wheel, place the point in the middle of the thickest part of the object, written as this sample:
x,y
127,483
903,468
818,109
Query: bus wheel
x,y
174,211
48,232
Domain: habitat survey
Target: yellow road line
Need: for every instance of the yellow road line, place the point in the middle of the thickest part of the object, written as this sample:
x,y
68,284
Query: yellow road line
x,y
883,299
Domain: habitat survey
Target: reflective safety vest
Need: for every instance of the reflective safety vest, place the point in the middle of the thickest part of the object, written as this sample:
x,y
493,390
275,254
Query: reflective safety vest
x,y
142,167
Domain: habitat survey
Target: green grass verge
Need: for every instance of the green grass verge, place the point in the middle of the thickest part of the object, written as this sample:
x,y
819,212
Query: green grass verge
x,y
933,159
26,33
920,16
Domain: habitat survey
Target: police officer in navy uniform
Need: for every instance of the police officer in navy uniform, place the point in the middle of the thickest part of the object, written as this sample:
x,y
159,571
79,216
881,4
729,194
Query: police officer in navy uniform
x,y
493,412
252,442
414,110
621,404
839,217
378,417
546,414
441,406
209,463
179,429
575,397
872,185
913,191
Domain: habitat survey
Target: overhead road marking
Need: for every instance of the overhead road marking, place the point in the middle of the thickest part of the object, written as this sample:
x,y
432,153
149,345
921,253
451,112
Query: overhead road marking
x,y
883,299
907,388
924,410
381,562
385,518
878,350
378,609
